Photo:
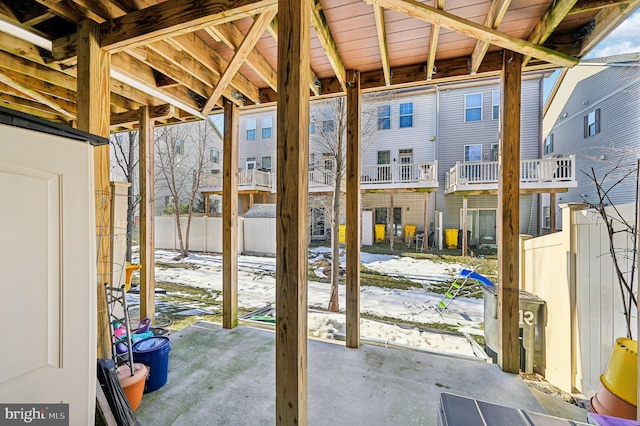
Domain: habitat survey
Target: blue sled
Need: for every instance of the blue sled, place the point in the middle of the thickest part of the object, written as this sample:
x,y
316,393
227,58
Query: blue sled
x,y
467,273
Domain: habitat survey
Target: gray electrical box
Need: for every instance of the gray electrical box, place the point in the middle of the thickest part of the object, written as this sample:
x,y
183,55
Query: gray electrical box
x,y
532,323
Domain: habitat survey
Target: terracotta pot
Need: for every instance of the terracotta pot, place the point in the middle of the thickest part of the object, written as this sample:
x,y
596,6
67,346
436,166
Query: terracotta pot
x,y
133,386
605,402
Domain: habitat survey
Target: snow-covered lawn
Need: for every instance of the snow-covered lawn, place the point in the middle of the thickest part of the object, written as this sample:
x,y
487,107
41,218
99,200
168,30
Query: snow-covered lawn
x,y
256,289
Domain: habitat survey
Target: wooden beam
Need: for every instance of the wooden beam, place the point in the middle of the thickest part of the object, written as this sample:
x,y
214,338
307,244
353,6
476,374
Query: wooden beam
x,y
43,99
450,21
255,32
354,99
591,5
509,213
93,117
159,112
326,40
606,21
554,15
147,214
496,12
233,38
552,213
71,12
292,229
230,216
433,43
166,19
382,42
197,48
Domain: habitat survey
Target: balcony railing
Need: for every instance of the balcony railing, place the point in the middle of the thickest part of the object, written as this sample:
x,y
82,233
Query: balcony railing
x,y
532,172
247,179
419,174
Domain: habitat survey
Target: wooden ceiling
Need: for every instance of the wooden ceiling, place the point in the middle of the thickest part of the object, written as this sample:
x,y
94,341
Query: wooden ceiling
x,y
183,56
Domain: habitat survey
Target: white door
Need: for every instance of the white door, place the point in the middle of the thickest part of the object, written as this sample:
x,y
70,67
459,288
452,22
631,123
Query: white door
x,y
47,272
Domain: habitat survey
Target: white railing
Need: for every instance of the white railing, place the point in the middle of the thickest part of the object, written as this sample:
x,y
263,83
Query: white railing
x,y
246,178
559,169
399,173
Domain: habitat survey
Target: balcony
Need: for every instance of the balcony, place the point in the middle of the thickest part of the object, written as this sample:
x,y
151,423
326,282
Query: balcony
x,y
536,176
248,180
398,176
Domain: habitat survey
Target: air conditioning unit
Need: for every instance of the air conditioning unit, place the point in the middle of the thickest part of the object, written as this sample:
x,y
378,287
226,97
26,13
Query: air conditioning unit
x,y
494,146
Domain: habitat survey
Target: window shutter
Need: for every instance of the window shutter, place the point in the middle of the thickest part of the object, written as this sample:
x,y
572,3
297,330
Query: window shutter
x,y
598,121
586,126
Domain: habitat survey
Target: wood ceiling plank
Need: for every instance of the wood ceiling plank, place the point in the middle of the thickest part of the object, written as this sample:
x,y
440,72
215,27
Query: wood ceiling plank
x,y
433,43
433,15
70,11
496,12
21,48
323,32
549,22
132,117
382,42
605,21
37,71
591,5
68,110
194,46
33,108
162,20
233,37
255,32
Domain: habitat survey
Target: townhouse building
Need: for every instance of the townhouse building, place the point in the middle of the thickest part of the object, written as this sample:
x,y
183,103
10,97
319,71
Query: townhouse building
x,y
593,113
429,159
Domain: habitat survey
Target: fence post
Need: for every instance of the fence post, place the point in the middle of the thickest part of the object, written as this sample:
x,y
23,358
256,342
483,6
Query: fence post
x,y
523,277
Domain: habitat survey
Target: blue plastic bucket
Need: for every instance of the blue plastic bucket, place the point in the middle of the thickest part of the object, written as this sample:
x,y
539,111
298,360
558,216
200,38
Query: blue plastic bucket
x,y
154,353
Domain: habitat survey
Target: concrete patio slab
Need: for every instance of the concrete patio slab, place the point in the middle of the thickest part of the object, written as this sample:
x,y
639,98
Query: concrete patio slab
x,y
227,377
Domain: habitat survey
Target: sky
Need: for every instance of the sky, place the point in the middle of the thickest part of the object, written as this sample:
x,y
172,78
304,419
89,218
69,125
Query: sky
x,y
624,39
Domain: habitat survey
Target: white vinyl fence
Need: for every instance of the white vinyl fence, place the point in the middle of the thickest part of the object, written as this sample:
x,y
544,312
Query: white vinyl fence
x,y
205,234
573,272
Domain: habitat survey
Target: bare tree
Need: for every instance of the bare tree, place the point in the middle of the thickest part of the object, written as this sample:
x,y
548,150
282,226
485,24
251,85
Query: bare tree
x,y
181,154
124,147
615,224
328,138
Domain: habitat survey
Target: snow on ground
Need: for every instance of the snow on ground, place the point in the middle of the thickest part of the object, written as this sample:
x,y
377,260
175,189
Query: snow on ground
x,y
256,288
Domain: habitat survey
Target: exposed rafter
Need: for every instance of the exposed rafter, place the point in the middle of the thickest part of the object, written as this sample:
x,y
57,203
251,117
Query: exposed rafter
x,y
549,22
45,100
433,15
494,17
162,20
382,42
591,5
253,35
159,112
326,39
605,21
433,44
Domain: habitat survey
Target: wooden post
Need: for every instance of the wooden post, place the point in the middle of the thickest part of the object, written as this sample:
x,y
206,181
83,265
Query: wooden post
x,y
147,216
391,221
465,242
251,200
353,209
552,212
508,213
292,230
207,207
93,117
230,217
425,240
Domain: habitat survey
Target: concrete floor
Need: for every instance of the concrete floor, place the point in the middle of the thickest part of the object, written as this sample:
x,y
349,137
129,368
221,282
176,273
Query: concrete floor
x,y
227,377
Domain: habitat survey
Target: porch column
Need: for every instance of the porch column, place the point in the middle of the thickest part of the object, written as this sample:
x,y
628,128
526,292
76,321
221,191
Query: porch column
x,y
251,200
425,241
552,212
353,209
508,212
391,221
292,233
230,216
465,242
93,117
207,197
147,216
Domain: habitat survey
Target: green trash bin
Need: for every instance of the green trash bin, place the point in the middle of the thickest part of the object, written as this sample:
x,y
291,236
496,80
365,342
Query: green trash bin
x,y
451,238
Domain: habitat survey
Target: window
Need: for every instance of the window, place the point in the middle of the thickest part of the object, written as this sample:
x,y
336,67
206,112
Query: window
x,y
473,153
495,105
312,127
179,146
312,161
548,144
327,121
473,107
406,115
215,156
266,127
384,117
251,129
592,123
266,162
546,214
251,163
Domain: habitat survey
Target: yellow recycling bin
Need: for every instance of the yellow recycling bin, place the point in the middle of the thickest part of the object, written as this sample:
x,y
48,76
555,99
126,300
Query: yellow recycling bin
x,y
342,234
409,232
380,230
451,238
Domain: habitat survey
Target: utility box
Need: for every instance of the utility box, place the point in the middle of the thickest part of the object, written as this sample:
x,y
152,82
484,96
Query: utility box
x,y
532,324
